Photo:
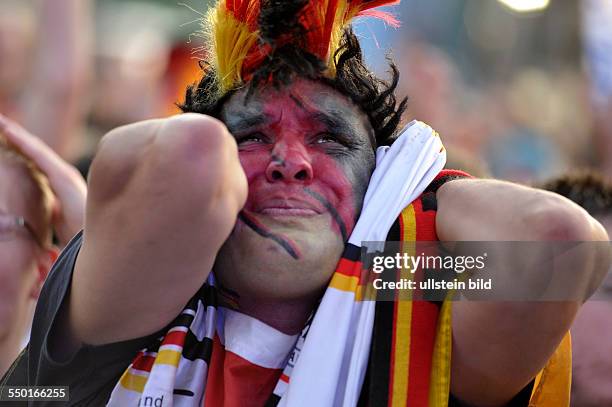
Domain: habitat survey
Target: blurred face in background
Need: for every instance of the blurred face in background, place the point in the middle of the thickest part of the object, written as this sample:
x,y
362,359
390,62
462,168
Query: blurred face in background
x,y
127,89
130,62
26,252
19,250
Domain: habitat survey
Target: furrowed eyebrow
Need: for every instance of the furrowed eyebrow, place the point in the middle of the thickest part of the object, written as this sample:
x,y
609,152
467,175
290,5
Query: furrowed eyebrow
x,y
244,121
337,124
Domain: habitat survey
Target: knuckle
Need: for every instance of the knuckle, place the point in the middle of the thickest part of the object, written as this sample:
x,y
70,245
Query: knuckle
x,y
191,135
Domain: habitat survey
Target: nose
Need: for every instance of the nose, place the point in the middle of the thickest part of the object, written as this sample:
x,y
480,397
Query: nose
x,y
292,166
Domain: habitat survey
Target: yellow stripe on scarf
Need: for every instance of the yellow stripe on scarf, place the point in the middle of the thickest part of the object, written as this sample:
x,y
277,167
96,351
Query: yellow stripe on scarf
x,y
133,382
439,388
552,385
349,284
401,356
168,357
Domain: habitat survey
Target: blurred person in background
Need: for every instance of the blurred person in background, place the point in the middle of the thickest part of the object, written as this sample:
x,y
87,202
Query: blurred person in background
x,y
461,159
543,125
45,64
597,44
132,69
439,95
39,194
508,125
592,328
17,38
130,61
502,84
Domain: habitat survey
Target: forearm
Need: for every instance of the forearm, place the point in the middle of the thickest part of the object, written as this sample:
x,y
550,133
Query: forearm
x,y
498,347
163,197
497,211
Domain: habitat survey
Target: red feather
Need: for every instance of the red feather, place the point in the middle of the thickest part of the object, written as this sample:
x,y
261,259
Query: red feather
x,y
230,5
319,33
381,15
366,5
332,6
246,11
318,27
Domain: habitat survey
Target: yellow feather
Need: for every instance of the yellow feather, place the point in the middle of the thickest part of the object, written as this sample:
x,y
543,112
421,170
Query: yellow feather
x,y
229,41
344,16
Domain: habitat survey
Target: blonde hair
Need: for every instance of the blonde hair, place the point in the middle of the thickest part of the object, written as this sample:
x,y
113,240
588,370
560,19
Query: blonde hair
x,y
41,193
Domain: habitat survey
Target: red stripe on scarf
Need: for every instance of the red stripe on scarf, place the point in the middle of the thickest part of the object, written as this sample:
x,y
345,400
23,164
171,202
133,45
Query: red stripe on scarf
x,y
394,333
235,382
424,321
349,268
352,268
174,338
143,362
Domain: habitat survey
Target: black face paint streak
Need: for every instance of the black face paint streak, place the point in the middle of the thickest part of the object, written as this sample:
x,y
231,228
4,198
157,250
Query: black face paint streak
x,y
297,101
226,297
333,212
263,232
277,160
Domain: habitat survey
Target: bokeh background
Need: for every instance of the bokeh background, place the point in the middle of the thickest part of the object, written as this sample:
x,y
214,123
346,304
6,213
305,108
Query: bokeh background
x,y
518,89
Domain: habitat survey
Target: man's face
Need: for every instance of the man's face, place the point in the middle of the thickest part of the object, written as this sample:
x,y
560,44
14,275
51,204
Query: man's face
x,y
308,155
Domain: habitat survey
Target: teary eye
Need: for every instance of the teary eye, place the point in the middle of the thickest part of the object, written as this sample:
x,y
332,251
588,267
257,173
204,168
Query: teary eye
x,y
255,137
326,138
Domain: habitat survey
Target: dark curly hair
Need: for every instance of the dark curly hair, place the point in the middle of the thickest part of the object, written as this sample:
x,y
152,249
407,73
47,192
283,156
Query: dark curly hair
x,y
280,19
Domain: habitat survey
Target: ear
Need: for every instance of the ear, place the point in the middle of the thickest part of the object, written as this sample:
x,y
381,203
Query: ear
x,y
43,265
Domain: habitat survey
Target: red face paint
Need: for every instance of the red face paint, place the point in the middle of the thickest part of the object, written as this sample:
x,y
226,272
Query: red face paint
x,y
306,152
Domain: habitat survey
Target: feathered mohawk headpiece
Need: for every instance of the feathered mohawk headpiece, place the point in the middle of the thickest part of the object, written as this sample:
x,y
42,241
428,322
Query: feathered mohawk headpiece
x,y
242,34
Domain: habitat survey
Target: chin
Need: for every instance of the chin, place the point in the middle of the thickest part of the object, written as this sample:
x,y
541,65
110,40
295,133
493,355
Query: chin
x,y
259,267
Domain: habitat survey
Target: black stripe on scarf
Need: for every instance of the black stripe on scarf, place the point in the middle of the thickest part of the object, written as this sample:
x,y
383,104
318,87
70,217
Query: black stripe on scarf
x,y
351,252
272,401
195,349
378,372
429,202
435,185
375,390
